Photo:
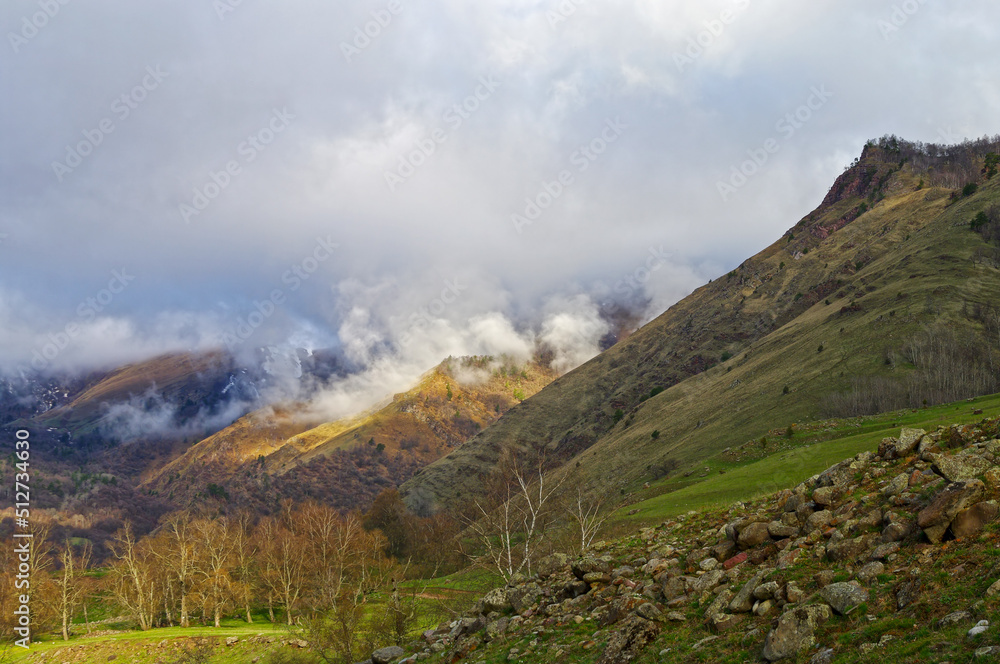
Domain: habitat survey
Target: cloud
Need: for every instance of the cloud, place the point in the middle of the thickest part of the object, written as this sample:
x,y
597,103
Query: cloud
x,y
482,107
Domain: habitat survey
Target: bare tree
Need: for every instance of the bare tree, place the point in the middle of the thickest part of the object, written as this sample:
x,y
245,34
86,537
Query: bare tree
x,y
283,563
509,523
586,512
133,581
244,563
71,590
215,583
177,550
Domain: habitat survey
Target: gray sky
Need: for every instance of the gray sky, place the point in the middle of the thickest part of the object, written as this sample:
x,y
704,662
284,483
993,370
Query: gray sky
x,y
213,155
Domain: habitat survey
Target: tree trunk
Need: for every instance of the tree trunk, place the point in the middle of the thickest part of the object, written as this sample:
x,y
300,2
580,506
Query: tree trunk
x,y
249,617
270,609
86,619
184,614
218,617
65,624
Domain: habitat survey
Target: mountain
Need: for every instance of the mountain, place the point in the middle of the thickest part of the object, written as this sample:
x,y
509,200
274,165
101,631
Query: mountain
x,y
285,452
880,298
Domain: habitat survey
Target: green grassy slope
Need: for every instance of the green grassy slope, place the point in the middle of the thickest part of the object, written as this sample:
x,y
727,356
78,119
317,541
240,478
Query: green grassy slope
x,y
891,256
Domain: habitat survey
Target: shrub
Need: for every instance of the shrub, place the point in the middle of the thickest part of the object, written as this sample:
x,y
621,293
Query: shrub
x,y
820,349
619,414
655,434
785,390
992,160
979,221
970,189
726,356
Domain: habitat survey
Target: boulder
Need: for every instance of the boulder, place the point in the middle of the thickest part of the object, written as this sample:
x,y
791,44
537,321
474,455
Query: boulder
x,y
743,602
778,530
898,485
795,632
844,597
907,441
825,495
959,467
387,655
947,504
753,535
907,592
970,522
851,549
870,572
629,640
818,520
496,600
549,565
709,580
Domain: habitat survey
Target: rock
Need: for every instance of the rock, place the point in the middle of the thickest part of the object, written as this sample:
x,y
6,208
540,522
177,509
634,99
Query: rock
x,y
649,611
763,608
895,532
735,560
987,651
724,550
753,535
766,590
818,520
743,602
793,503
824,577
709,581
970,522
708,564
954,618
597,577
549,565
676,616
387,655
992,479
794,632
497,600
883,551
870,572
763,553
907,593
850,549
959,467
778,530
630,639
232,640
719,604
793,593
824,656
590,565
954,498
496,629
980,627
898,485
907,442
844,597
825,495
724,622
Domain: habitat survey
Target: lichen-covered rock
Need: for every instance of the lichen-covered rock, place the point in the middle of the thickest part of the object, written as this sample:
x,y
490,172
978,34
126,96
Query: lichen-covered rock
x,y
971,522
630,639
956,468
743,602
387,655
954,498
752,535
844,597
795,632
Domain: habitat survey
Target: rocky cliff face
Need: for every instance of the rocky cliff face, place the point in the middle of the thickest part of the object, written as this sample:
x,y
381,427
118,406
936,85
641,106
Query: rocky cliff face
x,y
889,555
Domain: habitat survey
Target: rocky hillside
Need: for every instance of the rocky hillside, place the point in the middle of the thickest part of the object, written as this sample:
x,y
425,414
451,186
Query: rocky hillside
x,y
889,556
832,319
284,453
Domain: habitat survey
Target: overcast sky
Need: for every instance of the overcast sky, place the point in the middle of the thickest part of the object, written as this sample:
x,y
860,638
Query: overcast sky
x,y
165,165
